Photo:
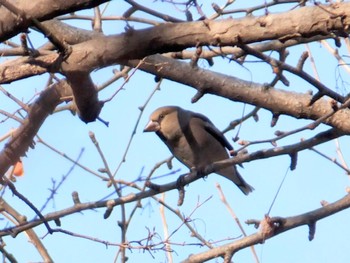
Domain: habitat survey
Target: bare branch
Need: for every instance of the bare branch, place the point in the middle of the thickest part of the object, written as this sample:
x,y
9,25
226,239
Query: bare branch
x,y
283,224
289,103
23,137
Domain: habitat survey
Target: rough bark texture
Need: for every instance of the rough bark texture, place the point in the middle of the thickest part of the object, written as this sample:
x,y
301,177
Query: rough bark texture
x,y
103,51
23,137
155,50
12,24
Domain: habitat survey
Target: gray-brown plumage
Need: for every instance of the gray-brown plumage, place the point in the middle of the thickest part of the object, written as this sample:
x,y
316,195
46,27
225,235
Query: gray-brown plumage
x,y
194,141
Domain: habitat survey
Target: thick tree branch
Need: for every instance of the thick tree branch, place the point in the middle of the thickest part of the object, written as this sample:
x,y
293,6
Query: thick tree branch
x,y
85,95
276,100
104,51
23,137
228,32
11,25
90,51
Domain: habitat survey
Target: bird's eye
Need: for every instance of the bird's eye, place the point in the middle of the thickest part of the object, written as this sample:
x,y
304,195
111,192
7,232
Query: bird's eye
x,y
161,116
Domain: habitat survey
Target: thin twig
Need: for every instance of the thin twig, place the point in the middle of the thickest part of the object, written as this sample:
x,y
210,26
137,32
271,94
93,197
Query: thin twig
x,y
125,81
165,230
28,203
24,106
312,60
323,89
117,75
16,218
121,224
40,140
281,135
345,168
141,108
233,124
55,188
341,156
335,53
234,216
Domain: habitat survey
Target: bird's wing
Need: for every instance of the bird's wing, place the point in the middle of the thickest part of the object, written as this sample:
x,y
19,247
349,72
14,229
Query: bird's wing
x,y
215,132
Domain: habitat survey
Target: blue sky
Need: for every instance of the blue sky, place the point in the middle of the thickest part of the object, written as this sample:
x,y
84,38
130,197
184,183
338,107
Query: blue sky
x,y
315,178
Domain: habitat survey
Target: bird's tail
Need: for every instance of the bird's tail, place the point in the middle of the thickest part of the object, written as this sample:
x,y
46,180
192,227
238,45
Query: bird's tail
x,y
238,180
246,188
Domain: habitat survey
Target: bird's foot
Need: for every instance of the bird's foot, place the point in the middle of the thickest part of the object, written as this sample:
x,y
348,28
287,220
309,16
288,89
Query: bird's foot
x,y
199,171
154,187
180,182
180,185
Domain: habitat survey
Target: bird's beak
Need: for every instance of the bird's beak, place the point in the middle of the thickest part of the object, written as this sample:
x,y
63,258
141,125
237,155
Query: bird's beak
x,y
152,126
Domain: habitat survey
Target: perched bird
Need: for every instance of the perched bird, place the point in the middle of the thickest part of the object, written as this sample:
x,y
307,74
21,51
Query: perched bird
x,y
194,140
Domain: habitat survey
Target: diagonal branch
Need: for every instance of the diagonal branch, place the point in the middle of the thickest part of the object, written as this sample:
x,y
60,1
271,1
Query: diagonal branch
x,y
322,89
41,10
281,225
78,207
18,218
275,100
23,137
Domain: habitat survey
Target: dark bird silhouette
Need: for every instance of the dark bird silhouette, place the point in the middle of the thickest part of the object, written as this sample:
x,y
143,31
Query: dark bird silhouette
x,y
194,140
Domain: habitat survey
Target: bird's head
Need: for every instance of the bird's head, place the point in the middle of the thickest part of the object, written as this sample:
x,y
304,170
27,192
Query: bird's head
x,y
162,117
